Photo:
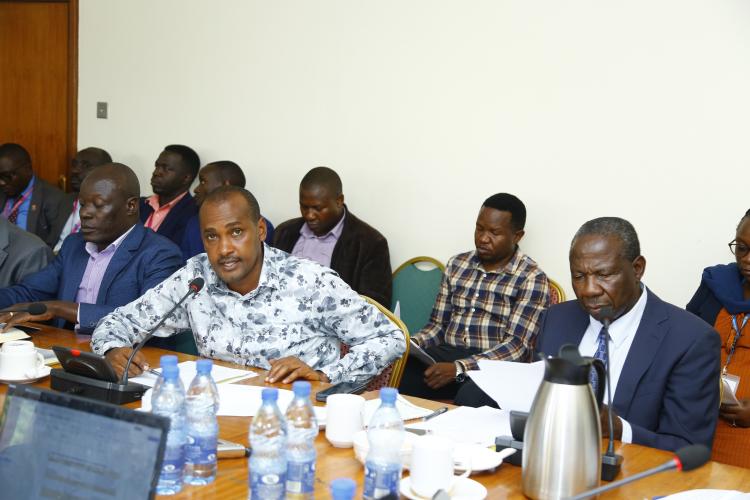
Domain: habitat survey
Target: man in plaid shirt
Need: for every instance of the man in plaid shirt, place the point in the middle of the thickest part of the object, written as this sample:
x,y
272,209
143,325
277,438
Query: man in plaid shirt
x,y
488,307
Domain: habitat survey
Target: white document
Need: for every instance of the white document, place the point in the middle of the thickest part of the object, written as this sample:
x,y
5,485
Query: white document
x,y
407,410
512,385
469,425
187,374
419,353
712,494
12,334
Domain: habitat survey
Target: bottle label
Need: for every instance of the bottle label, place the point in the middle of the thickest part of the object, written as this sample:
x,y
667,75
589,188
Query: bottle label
x,y
171,467
300,477
381,481
267,486
200,450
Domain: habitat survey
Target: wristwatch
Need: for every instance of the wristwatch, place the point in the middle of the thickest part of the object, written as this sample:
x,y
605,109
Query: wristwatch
x,y
460,372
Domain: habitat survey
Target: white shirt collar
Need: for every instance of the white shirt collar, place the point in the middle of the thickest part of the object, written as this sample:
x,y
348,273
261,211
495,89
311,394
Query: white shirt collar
x,y
626,325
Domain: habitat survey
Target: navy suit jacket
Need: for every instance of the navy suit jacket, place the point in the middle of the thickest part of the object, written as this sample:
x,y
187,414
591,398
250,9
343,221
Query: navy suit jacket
x,y
173,226
142,261
669,386
192,243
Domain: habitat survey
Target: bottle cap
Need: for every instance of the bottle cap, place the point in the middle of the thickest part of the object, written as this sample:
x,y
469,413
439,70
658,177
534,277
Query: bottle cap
x,y
388,395
343,488
204,366
301,389
170,372
168,359
269,395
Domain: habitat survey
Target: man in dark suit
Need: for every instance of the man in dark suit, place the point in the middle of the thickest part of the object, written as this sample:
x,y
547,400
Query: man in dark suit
x,y
664,361
26,200
331,235
171,206
112,261
21,253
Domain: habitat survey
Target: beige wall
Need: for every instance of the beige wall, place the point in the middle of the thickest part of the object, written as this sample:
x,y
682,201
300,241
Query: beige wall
x,y
425,107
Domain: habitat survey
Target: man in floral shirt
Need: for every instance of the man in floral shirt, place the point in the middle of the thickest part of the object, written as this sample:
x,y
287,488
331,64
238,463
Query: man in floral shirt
x,y
259,307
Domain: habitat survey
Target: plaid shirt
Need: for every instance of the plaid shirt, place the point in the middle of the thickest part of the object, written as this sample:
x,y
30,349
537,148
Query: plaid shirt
x,y
496,311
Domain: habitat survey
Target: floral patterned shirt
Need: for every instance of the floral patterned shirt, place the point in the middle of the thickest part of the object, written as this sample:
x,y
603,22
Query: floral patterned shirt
x,y
299,309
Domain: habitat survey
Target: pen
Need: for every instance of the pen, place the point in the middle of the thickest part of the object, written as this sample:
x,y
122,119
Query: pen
x,y
151,370
435,413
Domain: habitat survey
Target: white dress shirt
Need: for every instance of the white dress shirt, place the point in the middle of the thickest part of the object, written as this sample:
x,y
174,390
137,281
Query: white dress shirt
x,y
621,335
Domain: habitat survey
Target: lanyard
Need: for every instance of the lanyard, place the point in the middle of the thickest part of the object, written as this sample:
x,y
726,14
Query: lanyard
x,y
737,335
17,204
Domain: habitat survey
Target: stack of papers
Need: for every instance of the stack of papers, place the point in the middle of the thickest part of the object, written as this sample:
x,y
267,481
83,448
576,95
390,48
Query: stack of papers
x,y
469,425
187,374
12,334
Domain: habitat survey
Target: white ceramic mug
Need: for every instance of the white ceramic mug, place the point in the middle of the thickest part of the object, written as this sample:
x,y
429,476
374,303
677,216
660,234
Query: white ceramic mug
x,y
19,360
431,467
344,418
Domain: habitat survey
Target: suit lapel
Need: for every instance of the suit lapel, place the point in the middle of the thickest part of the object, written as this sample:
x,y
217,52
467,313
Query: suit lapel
x,y
35,206
4,242
642,352
120,259
78,261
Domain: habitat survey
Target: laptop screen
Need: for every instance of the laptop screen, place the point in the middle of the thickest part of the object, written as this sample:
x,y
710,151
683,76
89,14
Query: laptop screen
x,y
54,445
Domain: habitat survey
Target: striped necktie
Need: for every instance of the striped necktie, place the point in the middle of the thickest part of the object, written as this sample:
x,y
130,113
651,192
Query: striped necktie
x,y
601,354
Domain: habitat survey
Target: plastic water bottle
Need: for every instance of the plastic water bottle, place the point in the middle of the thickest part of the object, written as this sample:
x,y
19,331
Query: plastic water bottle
x,y
166,360
202,403
302,428
385,435
268,457
169,400
343,489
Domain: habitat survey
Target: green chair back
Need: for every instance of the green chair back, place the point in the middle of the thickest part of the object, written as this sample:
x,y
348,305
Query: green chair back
x,y
183,342
416,284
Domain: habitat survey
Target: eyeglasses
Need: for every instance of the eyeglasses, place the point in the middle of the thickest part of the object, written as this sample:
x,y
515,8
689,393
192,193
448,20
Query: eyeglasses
x,y
739,249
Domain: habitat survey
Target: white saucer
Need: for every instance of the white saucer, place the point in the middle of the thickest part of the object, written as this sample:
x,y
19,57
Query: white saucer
x,y
478,458
465,489
43,372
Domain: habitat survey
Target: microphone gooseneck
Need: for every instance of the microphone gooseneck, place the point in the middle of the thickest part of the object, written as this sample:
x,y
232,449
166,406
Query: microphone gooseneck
x,y
195,286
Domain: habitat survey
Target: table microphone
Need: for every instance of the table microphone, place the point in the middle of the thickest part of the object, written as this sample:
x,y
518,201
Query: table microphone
x,y
195,286
611,462
685,459
34,309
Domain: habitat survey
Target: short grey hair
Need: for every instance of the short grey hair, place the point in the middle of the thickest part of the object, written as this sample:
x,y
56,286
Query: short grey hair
x,y
612,226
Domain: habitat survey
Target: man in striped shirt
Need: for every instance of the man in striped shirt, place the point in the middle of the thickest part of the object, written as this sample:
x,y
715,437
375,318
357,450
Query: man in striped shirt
x,y
488,307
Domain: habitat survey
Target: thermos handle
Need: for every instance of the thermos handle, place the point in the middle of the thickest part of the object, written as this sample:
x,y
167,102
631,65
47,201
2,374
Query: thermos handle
x,y
601,373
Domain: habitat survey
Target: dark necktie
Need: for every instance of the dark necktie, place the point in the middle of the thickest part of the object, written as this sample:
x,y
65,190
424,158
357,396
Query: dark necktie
x,y
601,354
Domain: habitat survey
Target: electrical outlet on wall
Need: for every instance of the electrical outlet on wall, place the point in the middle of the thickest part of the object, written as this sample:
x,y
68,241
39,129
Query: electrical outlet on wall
x,y
101,110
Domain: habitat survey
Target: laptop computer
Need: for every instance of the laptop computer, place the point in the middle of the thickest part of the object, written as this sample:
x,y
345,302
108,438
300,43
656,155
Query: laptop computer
x,y
54,445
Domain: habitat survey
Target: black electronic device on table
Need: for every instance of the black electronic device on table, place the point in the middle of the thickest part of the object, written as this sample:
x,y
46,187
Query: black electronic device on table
x,y
91,375
55,445
341,388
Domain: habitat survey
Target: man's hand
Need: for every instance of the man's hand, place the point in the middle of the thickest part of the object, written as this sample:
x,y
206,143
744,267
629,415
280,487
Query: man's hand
x,y
12,319
118,358
736,415
616,423
439,375
286,370
55,308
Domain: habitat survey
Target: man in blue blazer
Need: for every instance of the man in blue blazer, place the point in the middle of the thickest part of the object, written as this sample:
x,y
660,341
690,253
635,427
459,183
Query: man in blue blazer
x,y
664,361
112,261
168,210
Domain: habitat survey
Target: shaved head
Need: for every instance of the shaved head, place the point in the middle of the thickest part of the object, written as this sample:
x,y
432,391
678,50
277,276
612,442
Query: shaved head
x,y
322,177
121,175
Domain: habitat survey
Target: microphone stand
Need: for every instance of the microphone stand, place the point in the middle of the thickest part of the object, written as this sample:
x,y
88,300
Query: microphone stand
x,y
611,462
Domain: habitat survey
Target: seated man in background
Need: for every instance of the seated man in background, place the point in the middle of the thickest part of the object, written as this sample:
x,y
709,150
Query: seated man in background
x,y
110,262
168,210
26,200
210,177
83,163
259,307
332,236
21,253
488,307
664,361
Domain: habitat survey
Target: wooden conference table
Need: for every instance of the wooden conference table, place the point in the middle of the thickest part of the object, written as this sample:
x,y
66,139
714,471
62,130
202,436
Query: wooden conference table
x,y
504,482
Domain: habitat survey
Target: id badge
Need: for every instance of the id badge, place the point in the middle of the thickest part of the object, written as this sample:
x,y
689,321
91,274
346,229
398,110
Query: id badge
x,y
729,384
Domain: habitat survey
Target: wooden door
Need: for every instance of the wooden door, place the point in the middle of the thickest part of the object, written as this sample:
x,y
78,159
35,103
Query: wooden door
x,y
38,82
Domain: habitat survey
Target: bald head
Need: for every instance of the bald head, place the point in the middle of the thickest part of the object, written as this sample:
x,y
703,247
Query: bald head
x,y
322,177
121,176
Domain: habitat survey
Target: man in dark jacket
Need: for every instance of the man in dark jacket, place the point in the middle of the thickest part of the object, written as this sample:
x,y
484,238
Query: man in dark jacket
x,y
331,235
